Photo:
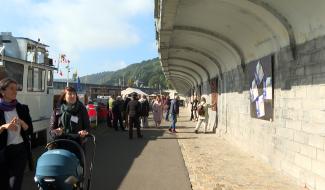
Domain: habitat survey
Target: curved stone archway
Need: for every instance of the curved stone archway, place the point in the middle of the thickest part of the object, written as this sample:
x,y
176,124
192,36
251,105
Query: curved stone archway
x,y
185,74
192,62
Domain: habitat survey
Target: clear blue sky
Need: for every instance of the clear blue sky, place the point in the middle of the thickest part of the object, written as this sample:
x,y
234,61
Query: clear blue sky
x,y
96,35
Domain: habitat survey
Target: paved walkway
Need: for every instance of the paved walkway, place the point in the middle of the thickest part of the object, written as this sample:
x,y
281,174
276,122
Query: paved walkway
x,y
215,164
154,162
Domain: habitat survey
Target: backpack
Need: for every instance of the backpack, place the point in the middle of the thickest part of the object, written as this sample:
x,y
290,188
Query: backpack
x,y
201,110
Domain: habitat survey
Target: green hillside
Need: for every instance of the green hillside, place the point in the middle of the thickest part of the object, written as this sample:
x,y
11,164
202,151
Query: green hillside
x,y
145,74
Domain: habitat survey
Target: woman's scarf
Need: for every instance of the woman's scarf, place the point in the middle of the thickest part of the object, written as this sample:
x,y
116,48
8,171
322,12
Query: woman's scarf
x,y
7,106
67,111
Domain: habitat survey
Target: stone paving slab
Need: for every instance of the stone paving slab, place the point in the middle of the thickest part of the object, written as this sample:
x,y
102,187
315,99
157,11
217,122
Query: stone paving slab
x,y
214,163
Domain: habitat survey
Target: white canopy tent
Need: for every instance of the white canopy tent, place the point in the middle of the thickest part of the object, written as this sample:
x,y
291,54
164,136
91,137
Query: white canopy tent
x,y
132,90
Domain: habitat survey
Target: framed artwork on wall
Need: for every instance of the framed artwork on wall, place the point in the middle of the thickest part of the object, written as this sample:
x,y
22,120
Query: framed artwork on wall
x,y
260,77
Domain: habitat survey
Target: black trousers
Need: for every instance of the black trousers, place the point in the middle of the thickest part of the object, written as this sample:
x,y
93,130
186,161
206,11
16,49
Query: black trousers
x,y
13,166
117,118
134,122
109,118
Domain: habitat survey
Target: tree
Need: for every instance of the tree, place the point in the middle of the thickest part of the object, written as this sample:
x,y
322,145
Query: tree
x,y
154,81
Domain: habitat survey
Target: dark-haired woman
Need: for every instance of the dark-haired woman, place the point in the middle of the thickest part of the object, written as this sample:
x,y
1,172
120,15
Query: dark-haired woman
x,y
15,131
71,117
70,120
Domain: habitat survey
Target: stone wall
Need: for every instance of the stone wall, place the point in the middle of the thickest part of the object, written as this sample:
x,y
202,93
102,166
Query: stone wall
x,y
294,141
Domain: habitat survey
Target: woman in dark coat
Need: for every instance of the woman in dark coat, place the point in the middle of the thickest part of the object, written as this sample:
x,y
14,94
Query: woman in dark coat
x,y
15,131
70,118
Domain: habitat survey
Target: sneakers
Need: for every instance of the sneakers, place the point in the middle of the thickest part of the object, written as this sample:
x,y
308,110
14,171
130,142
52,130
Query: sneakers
x,y
170,130
196,132
174,131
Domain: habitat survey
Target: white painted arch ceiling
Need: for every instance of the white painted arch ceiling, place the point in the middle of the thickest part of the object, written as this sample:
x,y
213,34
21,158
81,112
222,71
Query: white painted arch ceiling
x,y
201,39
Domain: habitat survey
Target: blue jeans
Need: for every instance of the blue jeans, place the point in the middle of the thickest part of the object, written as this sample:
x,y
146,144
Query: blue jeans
x,y
174,120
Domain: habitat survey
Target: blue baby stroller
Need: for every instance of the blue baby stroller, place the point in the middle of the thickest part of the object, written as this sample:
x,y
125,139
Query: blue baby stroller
x,y
66,165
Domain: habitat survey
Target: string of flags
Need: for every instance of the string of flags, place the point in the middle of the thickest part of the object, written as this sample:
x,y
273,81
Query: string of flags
x,y
62,60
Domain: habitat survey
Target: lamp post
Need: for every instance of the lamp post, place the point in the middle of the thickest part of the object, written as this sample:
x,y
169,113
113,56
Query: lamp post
x,y
68,69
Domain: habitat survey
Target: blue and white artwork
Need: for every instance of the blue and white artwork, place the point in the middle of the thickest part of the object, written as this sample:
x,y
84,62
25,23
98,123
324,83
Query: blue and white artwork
x,y
253,91
259,73
267,88
260,111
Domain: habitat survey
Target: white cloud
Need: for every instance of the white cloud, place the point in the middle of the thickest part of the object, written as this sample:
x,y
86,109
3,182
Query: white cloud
x,y
77,25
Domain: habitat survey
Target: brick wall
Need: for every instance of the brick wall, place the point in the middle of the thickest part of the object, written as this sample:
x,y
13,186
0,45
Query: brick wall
x,y
294,141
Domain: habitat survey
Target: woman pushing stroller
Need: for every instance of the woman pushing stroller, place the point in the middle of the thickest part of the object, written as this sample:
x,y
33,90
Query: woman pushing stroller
x,y
69,127
70,118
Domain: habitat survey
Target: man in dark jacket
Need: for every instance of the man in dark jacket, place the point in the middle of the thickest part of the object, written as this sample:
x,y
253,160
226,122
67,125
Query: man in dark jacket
x,y
117,114
144,111
174,110
193,109
125,104
168,108
133,110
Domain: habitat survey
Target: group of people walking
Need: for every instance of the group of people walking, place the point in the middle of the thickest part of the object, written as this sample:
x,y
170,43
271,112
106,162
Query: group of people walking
x,y
167,106
130,110
135,112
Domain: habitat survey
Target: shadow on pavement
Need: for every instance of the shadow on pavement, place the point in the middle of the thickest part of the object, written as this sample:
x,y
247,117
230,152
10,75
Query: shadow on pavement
x,y
115,154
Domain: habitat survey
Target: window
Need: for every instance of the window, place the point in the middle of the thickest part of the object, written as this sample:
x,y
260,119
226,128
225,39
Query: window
x,y
49,78
30,79
36,79
16,72
43,79
30,56
40,58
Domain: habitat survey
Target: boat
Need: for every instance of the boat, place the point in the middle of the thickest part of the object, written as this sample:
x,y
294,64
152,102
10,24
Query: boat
x,y
27,61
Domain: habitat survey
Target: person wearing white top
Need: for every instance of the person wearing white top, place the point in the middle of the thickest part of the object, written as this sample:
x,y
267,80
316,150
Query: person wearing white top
x,y
203,115
15,134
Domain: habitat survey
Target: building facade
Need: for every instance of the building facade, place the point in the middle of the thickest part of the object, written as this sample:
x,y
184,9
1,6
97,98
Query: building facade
x,y
263,62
